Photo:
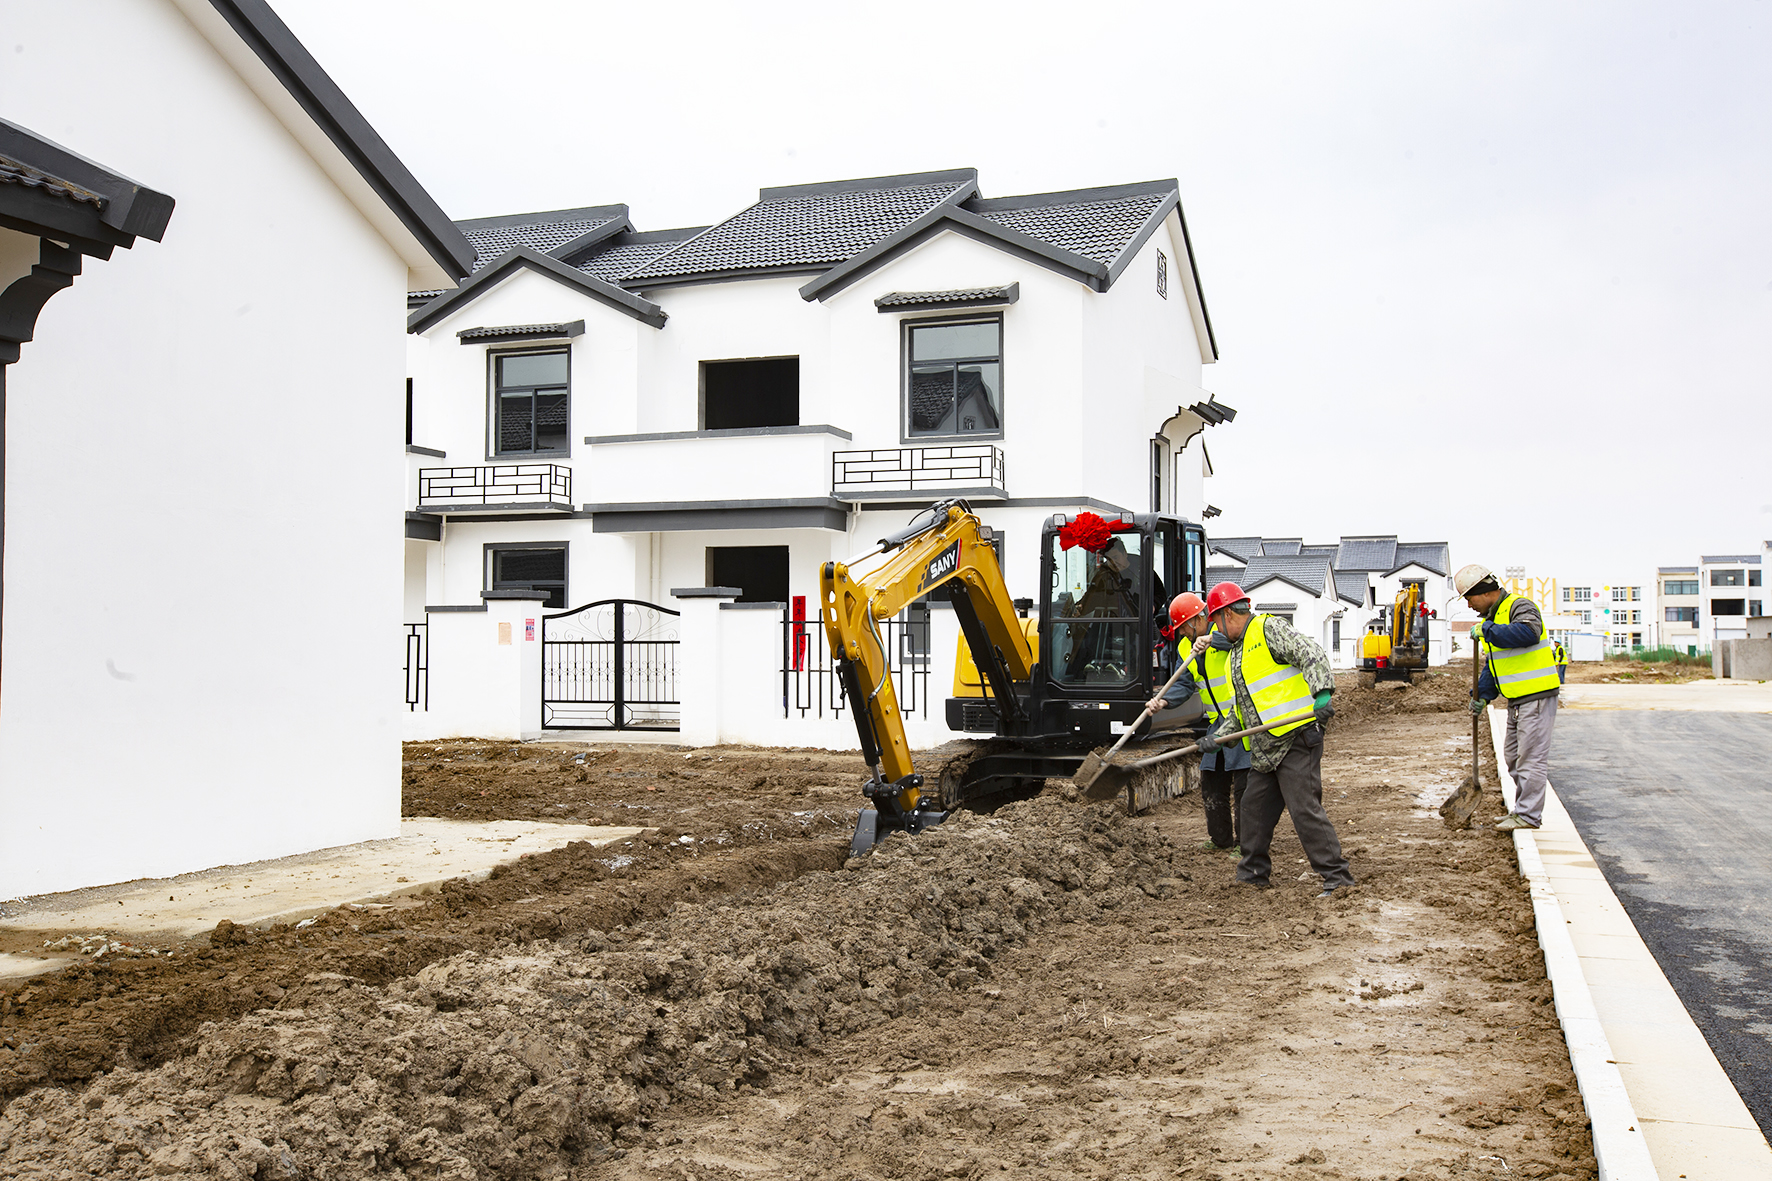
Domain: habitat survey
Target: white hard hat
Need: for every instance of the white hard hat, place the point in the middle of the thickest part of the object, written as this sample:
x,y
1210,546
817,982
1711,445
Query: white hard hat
x,y
1469,576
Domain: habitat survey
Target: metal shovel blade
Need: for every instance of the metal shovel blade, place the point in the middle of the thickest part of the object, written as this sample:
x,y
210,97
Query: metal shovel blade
x,y
1457,811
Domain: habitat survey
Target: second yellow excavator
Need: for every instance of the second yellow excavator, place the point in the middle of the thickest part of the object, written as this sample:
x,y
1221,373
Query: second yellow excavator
x,y
1394,648
1047,689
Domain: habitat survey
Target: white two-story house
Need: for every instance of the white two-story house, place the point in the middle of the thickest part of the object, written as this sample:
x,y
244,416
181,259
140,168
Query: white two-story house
x,y
602,412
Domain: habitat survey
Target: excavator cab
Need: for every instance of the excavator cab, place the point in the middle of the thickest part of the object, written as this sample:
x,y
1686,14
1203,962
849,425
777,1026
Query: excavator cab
x,y
1098,632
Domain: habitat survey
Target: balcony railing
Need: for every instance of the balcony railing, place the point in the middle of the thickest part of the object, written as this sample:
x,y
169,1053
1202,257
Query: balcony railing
x,y
516,485
975,468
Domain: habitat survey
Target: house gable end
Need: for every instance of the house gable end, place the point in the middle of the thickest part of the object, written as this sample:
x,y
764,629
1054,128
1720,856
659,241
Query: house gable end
x,y
523,258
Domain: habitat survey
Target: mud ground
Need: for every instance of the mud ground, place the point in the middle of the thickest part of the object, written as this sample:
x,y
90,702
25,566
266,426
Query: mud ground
x,y
1050,990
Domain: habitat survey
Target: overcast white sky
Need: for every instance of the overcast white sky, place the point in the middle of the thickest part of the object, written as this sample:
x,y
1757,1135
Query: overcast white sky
x,y
1495,274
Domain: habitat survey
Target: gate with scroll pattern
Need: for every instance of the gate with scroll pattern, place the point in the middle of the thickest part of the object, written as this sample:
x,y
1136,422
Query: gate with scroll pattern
x,y
610,665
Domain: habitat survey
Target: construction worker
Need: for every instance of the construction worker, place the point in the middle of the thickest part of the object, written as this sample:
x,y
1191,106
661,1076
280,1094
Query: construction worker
x,y
1277,675
1561,654
1519,664
1224,773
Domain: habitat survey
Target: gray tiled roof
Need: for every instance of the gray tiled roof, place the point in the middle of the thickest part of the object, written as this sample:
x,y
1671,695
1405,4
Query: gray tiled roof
x,y
14,172
1353,585
1676,569
1429,555
800,230
1282,547
491,242
1240,548
1311,572
1367,553
619,261
1745,559
1098,230
968,294
1218,574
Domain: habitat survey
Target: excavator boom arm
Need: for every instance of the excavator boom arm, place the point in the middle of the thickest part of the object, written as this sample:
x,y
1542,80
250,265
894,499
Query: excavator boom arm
x,y
953,555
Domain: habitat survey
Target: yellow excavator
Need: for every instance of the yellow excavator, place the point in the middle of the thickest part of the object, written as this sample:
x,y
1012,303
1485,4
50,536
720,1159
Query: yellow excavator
x,y
1394,647
1100,612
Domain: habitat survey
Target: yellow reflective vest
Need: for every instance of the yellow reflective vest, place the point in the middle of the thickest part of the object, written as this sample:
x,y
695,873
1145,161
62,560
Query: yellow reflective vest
x,y
1213,671
1521,672
1279,690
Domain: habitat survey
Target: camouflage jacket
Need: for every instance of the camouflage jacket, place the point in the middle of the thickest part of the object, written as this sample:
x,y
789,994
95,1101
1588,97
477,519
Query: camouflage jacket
x,y
1289,646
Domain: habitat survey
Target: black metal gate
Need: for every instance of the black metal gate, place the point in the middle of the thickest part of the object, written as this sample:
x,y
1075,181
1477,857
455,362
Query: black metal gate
x,y
610,665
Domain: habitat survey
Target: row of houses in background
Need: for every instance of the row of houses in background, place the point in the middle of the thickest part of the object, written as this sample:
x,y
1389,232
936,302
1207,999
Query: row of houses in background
x,y
1334,592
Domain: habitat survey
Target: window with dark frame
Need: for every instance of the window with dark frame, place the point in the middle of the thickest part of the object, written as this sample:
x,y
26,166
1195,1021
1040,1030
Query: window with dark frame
x,y
530,568
754,393
529,403
954,382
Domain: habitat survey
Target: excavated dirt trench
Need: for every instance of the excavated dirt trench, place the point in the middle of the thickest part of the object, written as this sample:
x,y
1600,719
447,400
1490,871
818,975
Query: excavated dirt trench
x,y
1054,989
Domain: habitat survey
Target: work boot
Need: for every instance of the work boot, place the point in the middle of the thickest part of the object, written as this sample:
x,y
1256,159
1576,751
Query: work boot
x,y
1512,821
1213,847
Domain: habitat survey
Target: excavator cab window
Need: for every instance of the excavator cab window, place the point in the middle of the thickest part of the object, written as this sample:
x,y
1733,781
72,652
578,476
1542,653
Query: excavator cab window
x,y
1100,602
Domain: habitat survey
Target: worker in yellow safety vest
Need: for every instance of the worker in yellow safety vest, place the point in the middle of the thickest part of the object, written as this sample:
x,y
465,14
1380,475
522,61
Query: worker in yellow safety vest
x,y
1224,773
1562,658
1277,675
1520,665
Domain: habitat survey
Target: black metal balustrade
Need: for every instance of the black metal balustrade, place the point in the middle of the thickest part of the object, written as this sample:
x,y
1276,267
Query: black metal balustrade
x,y
810,685
917,469
418,667
543,485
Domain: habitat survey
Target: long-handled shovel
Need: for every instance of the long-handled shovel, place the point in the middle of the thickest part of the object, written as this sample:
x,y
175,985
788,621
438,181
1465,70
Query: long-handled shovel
x,y
1094,765
1111,777
1457,810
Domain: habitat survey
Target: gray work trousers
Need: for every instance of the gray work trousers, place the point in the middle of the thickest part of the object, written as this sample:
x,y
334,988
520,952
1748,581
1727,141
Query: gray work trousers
x,y
1295,786
1222,793
1527,751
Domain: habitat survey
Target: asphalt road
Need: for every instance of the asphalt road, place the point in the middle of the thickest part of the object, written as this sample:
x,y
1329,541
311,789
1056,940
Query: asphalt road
x,y
1677,808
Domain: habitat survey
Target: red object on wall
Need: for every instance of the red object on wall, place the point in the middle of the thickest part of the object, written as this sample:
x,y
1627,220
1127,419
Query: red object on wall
x,y
800,633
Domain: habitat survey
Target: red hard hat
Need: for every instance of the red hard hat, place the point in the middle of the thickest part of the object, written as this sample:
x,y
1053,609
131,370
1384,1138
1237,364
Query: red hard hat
x,y
1223,595
1184,607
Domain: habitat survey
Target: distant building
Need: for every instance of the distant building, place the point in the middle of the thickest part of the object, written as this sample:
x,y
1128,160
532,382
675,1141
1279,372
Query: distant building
x,y
1333,592
1729,591
1677,603
1698,605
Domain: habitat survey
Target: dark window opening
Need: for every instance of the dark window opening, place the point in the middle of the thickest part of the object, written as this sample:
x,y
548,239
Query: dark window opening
x,y
1726,578
529,403
955,382
1156,476
1753,578
1728,606
409,412
1681,615
1754,607
1335,634
740,394
760,572
538,569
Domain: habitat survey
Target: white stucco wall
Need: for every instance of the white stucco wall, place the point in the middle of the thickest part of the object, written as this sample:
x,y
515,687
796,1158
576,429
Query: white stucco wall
x,y
203,595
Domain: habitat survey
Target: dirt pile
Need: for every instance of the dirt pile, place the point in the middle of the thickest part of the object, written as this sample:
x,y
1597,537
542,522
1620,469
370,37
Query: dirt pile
x,y
528,1060
1432,692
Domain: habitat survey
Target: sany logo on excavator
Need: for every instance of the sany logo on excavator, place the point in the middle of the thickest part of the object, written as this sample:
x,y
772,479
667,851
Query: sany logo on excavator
x,y
941,565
